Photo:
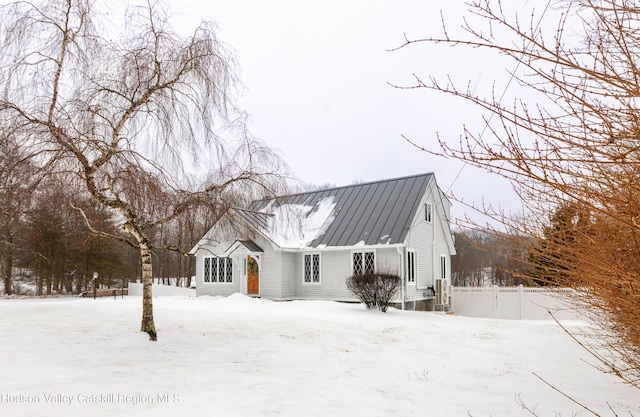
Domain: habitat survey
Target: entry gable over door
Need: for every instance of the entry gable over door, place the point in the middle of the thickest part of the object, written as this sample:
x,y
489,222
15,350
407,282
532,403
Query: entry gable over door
x,y
245,246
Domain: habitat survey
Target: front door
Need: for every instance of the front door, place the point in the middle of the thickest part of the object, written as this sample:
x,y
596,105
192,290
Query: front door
x,y
253,276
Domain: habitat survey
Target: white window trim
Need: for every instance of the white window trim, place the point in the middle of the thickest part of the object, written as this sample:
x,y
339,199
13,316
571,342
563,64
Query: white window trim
x,y
363,251
225,260
443,266
319,268
412,279
428,212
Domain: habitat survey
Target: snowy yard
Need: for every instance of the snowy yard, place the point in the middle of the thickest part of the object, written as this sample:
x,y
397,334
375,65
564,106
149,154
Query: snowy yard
x,y
238,356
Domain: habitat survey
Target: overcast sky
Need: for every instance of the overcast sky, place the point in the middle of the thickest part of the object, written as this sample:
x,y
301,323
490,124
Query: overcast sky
x,y
316,77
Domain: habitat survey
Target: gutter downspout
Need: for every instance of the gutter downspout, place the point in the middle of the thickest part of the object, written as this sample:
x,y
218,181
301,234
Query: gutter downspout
x,y
403,291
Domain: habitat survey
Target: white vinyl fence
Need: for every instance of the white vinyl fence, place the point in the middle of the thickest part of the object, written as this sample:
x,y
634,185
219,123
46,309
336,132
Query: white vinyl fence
x,y
516,303
162,290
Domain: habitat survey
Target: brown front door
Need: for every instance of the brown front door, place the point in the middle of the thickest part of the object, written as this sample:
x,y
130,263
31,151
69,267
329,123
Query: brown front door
x,y
253,276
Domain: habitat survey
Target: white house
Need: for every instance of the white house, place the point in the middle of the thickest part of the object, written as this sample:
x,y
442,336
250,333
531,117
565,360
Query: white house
x,y
304,246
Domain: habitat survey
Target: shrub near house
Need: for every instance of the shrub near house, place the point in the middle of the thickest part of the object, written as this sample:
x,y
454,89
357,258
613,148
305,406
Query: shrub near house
x,y
374,290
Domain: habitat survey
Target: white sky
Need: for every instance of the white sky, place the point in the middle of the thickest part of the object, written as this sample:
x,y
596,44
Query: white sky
x,y
316,88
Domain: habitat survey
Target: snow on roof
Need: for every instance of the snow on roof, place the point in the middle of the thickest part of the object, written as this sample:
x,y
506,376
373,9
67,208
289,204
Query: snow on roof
x,y
297,225
374,213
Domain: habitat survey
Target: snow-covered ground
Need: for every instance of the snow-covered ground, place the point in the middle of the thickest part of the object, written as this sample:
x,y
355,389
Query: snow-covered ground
x,y
239,356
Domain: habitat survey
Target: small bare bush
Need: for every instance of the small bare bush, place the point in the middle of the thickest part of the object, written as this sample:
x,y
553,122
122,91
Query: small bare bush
x,y
375,290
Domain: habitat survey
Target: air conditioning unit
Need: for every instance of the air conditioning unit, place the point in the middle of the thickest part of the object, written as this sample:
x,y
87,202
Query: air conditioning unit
x,y
442,292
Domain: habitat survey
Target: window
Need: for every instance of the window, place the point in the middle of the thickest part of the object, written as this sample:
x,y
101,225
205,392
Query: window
x,y
218,269
229,270
411,266
364,262
443,266
207,269
312,268
427,212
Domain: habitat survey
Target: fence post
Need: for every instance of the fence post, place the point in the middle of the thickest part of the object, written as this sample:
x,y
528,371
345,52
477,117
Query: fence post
x,y
495,301
520,303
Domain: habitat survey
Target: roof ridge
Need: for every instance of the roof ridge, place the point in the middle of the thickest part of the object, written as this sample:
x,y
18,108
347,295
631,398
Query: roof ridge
x,y
253,211
346,186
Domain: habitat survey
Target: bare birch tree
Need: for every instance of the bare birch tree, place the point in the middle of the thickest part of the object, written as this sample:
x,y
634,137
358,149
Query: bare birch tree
x,y
135,111
571,139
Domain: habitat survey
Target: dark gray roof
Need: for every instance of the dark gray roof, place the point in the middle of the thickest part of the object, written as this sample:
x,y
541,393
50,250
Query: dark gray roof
x,y
372,213
253,218
251,245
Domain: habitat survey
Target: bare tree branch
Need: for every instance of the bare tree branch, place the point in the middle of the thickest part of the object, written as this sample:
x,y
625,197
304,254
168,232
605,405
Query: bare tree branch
x,y
569,142
145,119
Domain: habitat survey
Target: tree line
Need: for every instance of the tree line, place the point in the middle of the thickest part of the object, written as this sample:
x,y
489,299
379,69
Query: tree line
x,y
47,249
484,259
488,257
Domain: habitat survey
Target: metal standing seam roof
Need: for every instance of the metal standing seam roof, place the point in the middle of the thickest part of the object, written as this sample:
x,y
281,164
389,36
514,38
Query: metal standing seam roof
x,y
370,213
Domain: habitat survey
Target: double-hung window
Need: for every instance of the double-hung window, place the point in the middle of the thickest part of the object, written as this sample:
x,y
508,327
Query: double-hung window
x,y
218,270
428,212
311,268
364,262
411,266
